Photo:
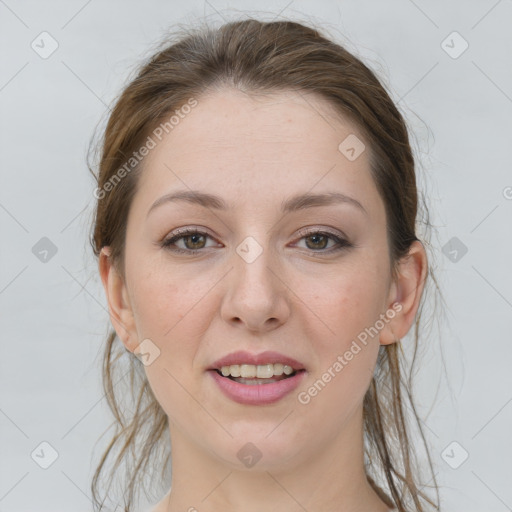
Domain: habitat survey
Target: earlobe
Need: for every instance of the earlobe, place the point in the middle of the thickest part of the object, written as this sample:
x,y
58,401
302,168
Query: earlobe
x,y
121,314
406,291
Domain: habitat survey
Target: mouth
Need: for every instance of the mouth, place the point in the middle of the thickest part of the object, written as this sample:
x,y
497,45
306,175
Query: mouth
x,y
259,379
251,375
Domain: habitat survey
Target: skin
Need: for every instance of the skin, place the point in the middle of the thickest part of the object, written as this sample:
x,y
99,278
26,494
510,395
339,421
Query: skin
x,y
255,152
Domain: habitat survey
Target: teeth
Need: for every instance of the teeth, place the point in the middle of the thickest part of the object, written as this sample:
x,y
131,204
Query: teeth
x,y
261,371
247,371
234,370
265,371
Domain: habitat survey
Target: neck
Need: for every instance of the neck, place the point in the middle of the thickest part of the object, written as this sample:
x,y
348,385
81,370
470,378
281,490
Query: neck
x,y
331,479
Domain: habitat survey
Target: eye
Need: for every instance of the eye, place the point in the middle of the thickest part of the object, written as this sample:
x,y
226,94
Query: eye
x,y
193,240
317,241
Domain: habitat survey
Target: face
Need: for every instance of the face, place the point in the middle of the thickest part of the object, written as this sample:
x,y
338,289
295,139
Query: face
x,y
309,282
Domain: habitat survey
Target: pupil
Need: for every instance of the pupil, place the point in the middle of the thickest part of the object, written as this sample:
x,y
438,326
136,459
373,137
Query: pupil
x,y
193,238
316,237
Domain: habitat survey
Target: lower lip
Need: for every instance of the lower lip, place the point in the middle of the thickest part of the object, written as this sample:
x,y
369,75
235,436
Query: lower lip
x,y
257,394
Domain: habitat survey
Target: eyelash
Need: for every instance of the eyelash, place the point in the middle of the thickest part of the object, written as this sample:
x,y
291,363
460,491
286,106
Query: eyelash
x,y
166,244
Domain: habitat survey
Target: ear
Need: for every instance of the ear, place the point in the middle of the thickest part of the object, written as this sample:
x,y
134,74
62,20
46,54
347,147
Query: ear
x,y
121,314
405,294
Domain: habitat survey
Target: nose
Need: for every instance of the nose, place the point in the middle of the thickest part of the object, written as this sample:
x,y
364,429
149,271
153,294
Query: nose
x,y
256,294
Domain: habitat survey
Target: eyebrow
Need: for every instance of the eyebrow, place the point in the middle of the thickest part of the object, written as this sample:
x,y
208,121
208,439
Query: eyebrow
x,y
295,203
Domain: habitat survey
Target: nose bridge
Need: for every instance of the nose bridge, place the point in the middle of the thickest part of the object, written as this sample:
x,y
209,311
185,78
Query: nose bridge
x,y
253,270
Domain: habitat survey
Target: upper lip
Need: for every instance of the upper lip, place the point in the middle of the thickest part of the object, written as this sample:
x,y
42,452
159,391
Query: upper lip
x,y
242,357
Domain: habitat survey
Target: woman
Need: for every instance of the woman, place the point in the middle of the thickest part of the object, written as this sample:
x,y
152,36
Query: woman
x,y
255,230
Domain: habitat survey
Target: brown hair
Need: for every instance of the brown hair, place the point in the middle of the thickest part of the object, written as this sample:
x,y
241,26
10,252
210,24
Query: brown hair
x,y
260,57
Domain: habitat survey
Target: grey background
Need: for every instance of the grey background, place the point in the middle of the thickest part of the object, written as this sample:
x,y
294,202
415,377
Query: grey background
x,y
53,313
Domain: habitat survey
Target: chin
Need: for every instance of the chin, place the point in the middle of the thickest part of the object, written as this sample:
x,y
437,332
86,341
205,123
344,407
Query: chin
x,y
254,451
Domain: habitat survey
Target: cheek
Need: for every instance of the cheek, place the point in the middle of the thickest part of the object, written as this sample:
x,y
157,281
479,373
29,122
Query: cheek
x,y
346,309
169,311
164,300
344,303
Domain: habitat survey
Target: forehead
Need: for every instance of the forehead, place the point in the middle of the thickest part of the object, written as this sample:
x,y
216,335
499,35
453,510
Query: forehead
x,y
258,145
